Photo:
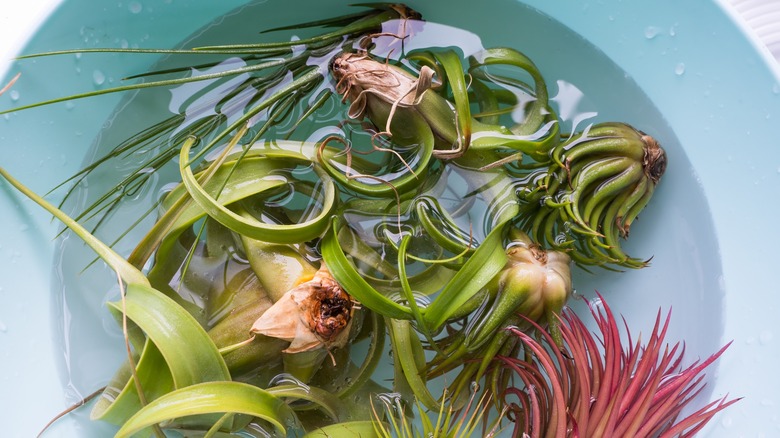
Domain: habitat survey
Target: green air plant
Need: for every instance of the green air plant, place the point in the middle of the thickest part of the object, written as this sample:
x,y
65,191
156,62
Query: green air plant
x,y
174,356
596,186
447,423
392,97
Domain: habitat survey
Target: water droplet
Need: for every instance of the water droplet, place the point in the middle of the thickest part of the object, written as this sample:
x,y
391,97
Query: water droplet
x,y
679,69
135,7
672,31
14,94
767,402
24,227
3,327
765,337
69,105
651,32
597,304
726,422
98,77
776,88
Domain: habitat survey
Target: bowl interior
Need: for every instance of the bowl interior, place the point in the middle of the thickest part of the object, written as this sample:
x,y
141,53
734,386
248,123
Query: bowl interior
x,y
81,341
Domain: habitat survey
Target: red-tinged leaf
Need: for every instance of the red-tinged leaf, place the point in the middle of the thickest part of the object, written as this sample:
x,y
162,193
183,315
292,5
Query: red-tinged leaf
x,y
698,419
601,387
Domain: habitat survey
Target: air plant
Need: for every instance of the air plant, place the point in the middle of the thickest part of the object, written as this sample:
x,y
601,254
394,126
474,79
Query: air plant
x,y
534,285
603,388
447,422
596,186
435,98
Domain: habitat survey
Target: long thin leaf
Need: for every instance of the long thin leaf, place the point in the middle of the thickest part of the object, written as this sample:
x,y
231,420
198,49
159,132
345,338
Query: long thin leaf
x,y
120,398
152,84
268,232
353,282
487,261
128,272
187,348
408,351
210,398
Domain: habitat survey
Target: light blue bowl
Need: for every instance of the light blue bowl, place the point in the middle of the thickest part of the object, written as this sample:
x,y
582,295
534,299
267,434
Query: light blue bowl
x,y
683,71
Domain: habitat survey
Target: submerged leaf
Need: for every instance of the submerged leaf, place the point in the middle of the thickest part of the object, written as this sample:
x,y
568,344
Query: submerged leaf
x,y
210,398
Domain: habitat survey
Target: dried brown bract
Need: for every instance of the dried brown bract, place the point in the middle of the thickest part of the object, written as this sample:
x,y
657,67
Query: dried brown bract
x,y
366,83
314,314
654,161
329,307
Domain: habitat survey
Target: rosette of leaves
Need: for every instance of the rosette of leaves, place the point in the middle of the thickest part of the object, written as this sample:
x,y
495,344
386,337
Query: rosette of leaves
x,y
534,285
596,185
601,386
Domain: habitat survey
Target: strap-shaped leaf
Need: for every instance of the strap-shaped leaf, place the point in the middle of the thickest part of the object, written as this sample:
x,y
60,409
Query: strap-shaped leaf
x,y
407,349
350,429
329,403
487,261
154,377
456,78
188,350
353,282
248,179
274,233
126,271
537,113
540,126
438,223
409,130
211,398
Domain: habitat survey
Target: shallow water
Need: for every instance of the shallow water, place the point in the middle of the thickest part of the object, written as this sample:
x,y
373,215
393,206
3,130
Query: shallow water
x,y
675,229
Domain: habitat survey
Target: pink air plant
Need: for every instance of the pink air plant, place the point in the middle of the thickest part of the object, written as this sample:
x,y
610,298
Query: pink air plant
x,y
601,388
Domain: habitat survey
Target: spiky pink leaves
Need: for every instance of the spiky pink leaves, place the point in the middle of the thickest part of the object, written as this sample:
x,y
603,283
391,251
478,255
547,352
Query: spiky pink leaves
x,y
600,387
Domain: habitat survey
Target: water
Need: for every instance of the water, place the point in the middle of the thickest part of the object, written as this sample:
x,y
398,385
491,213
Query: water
x,y
586,87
